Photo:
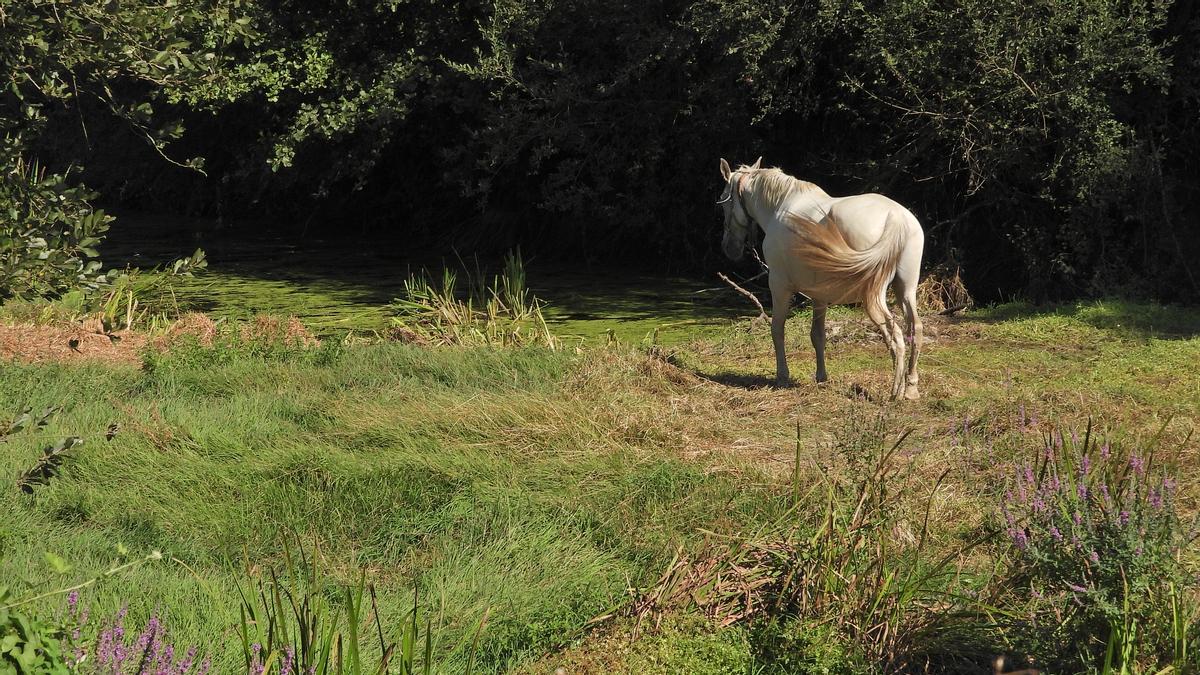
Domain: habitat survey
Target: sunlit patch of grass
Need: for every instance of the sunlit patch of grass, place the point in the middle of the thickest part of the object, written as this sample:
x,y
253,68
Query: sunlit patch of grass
x,y
535,485
1112,318
501,479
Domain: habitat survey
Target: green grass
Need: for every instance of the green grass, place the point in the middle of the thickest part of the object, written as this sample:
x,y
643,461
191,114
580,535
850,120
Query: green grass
x,y
488,478
535,486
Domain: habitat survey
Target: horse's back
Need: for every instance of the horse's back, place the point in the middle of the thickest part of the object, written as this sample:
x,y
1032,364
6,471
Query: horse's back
x,y
862,218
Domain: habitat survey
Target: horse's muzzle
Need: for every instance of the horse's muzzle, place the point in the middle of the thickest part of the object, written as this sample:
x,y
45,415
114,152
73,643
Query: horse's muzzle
x,y
733,250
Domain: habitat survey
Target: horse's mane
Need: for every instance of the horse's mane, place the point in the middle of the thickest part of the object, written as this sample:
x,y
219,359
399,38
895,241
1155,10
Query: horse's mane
x,y
774,185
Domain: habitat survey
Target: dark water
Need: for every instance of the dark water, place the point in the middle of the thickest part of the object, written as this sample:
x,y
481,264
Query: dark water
x,y
340,284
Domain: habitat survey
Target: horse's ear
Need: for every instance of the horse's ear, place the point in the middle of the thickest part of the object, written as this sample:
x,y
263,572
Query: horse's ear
x,y
757,163
726,172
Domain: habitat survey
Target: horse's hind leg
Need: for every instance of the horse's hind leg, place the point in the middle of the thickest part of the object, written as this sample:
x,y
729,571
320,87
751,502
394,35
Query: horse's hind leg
x,y
817,334
906,291
882,317
781,304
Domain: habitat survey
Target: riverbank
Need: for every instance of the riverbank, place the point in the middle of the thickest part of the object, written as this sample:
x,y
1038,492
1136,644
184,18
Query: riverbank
x,y
540,487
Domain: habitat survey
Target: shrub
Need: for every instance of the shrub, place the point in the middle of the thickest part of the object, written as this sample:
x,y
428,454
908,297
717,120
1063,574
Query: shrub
x,y
27,645
48,233
1095,556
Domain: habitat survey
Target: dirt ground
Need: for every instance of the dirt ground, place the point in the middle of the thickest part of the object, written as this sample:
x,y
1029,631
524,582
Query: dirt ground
x,y
29,343
89,341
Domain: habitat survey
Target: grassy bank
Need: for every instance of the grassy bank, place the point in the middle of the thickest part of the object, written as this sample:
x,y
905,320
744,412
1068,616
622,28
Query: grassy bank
x,y
530,482
538,487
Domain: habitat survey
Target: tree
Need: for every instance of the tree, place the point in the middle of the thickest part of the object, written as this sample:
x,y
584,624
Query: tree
x,y
125,56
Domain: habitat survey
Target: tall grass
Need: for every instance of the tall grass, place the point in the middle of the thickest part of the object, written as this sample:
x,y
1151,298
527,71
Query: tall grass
x,y
503,313
831,585
290,624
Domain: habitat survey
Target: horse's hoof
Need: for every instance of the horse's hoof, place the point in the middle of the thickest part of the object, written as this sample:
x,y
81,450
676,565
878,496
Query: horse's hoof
x,y
859,392
911,394
783,384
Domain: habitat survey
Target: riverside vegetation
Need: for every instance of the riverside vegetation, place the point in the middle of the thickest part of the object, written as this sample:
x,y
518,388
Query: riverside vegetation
x,y
251,500
466,489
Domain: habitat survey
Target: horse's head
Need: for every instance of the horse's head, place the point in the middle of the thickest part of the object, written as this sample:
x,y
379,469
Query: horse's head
x,y
737,220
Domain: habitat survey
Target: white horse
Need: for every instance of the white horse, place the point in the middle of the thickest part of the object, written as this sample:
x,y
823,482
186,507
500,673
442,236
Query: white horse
x,y
835,250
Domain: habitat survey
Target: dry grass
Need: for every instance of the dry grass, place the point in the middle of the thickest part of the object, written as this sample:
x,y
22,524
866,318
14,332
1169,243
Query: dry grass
x,y
943,292
68,343
87,340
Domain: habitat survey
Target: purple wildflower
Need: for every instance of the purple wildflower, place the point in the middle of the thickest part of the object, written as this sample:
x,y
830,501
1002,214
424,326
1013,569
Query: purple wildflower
x,y
188,658
1078,518
1094,557
1123,517
1137,464
1137,552
1019,538
164,660
1169,485
110,648
1058,440
1077,589
256,667
1085,465
1056,534
1029,478
1156,499
72,601
206,665
1074,438
148,633
1104,493
1105,451
1082,490
288,655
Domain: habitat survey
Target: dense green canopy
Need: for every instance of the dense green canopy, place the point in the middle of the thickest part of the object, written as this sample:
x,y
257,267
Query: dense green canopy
x,y
1046,145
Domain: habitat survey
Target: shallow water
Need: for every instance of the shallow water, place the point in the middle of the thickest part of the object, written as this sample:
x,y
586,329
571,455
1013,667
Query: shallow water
x,y
339,285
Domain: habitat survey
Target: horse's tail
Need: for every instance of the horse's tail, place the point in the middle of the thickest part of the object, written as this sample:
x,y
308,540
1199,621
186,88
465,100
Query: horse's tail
x,y
862,275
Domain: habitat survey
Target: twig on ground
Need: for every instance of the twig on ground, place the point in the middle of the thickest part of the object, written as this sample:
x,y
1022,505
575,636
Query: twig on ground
x,y
952,310
762,313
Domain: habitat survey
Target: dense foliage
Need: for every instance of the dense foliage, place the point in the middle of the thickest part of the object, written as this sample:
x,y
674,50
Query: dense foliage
x,y
1043,144
61,58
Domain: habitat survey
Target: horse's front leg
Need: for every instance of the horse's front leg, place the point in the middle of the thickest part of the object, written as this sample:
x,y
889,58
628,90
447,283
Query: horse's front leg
x,y
781,304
